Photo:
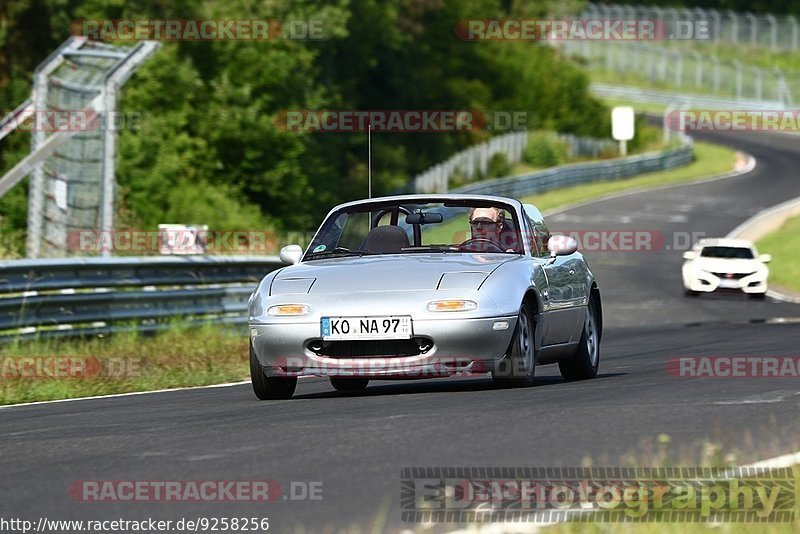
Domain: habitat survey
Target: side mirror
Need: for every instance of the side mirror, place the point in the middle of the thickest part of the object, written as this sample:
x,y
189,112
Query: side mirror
x,y
765,258
689,255
291,254
561,245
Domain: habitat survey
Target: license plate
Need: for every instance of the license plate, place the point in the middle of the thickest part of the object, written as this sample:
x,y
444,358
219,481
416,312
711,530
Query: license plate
x,y
378,327
728,283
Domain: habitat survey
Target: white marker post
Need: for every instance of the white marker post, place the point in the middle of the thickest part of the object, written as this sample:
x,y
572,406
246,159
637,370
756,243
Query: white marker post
x,y
622,128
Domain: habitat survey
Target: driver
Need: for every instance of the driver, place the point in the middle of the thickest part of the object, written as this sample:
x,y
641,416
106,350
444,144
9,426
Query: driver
x,y
487,223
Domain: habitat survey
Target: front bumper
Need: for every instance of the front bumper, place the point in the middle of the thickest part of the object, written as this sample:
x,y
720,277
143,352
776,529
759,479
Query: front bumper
x,y
703,282
456,346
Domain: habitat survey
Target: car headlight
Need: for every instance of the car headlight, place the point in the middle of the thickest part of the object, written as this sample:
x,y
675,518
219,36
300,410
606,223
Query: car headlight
x,y
451,305
289,309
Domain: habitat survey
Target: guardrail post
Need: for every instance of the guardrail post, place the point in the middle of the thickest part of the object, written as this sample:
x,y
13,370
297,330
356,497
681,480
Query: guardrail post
x,y
679,73
738,65
793,23
717,30
759,81
698,68
773,32
753,28
734,26
783,93
715,61
672,23
662,66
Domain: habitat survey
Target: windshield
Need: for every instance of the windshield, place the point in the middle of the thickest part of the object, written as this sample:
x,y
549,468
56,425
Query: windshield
x,y
413,228
739,253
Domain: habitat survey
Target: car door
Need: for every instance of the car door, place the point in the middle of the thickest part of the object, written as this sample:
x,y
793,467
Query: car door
x,y
562,295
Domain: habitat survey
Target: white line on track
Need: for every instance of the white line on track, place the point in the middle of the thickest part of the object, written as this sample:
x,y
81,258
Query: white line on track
x,y
113,395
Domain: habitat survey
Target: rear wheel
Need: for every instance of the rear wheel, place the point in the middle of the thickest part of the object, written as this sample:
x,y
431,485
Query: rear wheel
x,y
517,368
342,383
587,358
269,387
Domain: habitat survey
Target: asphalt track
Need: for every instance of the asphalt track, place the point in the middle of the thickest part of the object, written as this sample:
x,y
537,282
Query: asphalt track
x,y
356,445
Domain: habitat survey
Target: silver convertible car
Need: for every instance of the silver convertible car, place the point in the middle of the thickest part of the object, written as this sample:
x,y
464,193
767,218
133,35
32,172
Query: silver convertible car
x,y
420,286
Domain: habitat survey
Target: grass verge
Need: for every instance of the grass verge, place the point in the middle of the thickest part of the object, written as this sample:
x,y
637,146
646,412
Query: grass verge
x,y
638,107
784,246
179,357
710,160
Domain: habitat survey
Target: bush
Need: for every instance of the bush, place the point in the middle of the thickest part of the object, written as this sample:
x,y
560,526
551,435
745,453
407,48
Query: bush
x,y
545,150
498,166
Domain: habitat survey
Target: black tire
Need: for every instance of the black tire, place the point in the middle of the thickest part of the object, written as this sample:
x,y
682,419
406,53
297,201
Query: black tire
x,y
518,367
346,383
269,387
690,293
758,296
587,358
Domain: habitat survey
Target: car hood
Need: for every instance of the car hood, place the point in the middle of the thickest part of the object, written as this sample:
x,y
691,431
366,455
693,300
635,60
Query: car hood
x,y
721,265
394,272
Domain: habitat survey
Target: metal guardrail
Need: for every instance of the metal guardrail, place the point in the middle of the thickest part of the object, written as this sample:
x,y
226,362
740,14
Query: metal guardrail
x,y
74,297
581,173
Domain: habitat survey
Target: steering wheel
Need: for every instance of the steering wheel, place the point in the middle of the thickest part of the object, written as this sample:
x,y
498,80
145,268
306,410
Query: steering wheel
x,y
482,243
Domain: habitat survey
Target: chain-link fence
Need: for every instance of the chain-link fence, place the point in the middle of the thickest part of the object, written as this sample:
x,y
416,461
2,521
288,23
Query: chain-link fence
x,y
686,70
73,120
679,64
768,31
71,196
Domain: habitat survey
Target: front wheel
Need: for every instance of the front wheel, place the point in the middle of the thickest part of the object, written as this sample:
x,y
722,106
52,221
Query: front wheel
x,y
517,368
587,358
269,387
340,383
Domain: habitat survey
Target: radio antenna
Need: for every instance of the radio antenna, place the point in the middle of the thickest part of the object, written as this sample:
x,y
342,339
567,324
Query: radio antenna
x,y
369,160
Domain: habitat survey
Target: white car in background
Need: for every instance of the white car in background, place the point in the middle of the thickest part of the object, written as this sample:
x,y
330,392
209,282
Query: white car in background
x,y
726,265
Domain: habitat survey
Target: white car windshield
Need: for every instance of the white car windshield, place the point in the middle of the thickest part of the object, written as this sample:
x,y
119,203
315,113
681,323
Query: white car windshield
x,y
738,253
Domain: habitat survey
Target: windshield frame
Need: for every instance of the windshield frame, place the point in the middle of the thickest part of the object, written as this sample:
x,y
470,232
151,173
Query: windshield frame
x,y
402,204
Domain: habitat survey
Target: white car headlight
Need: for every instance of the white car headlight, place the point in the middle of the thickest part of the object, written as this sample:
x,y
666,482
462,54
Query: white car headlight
x,y
451,305
289,309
